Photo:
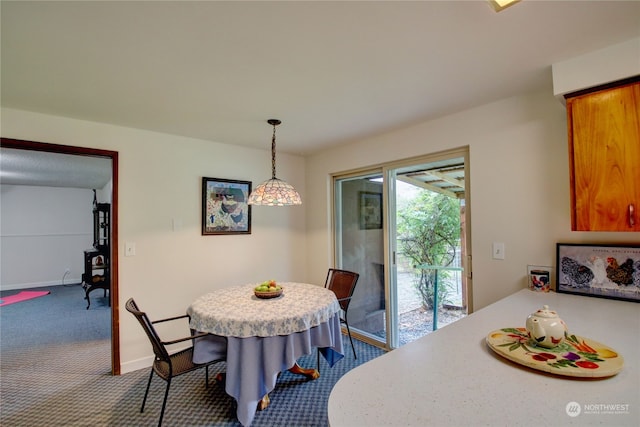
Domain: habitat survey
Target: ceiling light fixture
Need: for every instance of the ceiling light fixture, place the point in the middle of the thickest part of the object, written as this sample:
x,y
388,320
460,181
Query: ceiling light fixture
x,y
274,192
499,5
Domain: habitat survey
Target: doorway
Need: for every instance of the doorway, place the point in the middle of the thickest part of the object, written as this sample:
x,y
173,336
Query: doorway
x,y
386,223
113,292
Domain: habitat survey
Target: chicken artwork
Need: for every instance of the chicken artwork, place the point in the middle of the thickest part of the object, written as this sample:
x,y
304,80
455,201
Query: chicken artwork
x,y
578,275
598,266
606,271
620,274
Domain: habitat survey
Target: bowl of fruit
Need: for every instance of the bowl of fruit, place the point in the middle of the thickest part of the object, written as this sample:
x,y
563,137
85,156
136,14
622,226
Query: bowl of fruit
x,y
268,289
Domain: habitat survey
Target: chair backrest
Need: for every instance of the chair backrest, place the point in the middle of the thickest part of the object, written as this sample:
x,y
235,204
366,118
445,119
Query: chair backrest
x,y
342,283
158,348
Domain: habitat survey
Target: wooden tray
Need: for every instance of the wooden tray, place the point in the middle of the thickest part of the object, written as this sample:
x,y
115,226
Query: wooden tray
x,y
575,357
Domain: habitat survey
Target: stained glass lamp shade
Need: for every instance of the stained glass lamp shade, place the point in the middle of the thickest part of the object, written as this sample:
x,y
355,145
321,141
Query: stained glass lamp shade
x,y
274,192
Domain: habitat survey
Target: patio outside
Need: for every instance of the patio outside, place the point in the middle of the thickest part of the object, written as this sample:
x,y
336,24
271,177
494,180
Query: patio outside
x,y
414,320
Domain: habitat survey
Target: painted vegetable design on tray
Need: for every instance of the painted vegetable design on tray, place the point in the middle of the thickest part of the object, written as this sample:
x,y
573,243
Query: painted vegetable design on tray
x,y
570,353
576,356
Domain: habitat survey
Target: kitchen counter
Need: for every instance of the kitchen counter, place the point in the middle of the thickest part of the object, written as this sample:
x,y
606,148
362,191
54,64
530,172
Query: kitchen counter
x,y
451,377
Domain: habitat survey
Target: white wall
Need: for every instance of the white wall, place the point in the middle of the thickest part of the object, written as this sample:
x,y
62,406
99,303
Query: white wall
x,y
519,186
160,180
44,231
607,65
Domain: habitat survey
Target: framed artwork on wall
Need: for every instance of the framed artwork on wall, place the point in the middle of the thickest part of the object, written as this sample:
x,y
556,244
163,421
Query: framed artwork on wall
x,y
224,206
370,210
605,271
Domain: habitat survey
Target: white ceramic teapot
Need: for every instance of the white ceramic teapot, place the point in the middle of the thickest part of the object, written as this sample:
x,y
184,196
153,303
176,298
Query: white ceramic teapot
x,y
545,328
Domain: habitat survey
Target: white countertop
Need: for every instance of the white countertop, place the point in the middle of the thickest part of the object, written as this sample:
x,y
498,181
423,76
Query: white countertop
x,y
451,377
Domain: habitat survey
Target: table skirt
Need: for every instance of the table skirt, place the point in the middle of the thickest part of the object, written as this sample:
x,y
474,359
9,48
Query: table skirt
x,y
253,363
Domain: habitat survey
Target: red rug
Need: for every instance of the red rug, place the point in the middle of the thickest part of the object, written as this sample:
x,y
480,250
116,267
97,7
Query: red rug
x,y
22,296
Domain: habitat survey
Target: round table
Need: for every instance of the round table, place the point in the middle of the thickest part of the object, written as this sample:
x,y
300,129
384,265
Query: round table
x,y
237,312
265,336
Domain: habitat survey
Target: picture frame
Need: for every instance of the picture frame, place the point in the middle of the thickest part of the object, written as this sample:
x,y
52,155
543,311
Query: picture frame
x,y
604,271
370,210
224,206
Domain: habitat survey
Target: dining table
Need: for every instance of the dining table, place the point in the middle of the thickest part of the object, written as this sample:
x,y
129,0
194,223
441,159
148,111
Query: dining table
x,y
259,338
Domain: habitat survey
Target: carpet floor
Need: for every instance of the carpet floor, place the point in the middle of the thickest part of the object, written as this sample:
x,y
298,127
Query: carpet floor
x,y
21,296
56,372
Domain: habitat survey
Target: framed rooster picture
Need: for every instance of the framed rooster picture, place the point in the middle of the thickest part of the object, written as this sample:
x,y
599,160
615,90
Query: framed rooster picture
x,y
224,206
605,271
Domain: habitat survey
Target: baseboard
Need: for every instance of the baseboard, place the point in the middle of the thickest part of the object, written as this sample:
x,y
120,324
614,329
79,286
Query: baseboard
x,y
136,365
146,362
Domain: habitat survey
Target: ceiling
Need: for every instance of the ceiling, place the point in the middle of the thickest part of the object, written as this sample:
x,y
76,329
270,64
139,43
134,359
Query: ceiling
x,y
37,168
332,71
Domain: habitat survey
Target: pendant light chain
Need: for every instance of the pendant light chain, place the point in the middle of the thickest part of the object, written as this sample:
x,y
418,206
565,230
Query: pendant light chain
x,y
273,153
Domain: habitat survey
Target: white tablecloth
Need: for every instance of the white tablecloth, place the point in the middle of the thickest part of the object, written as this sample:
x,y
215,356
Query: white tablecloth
x,y
237,312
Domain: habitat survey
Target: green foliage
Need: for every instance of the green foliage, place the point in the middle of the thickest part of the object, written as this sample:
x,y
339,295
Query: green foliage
x,y
425,285
429,234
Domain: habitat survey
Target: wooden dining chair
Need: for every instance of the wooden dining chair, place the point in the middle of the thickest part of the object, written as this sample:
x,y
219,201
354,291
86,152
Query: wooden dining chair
x,y
166,365
343,283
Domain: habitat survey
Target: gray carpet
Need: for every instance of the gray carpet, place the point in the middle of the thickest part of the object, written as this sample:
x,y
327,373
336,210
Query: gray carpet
x,y
55,363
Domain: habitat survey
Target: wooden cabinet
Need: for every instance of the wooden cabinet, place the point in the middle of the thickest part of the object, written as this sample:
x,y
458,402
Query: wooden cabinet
x,y
604,157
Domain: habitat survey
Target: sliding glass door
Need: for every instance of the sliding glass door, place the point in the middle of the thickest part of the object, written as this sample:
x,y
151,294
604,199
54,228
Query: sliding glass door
x,y
427,237
359,247
403,228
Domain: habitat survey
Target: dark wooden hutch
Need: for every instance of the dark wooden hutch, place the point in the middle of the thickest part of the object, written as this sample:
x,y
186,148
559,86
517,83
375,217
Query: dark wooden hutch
x,y
97,260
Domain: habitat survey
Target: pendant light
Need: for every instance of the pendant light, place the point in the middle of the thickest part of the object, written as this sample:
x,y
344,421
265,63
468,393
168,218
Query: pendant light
x,y
274,192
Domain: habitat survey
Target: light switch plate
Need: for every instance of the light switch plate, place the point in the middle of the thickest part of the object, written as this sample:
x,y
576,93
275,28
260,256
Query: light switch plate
x,y
498,250
129,249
